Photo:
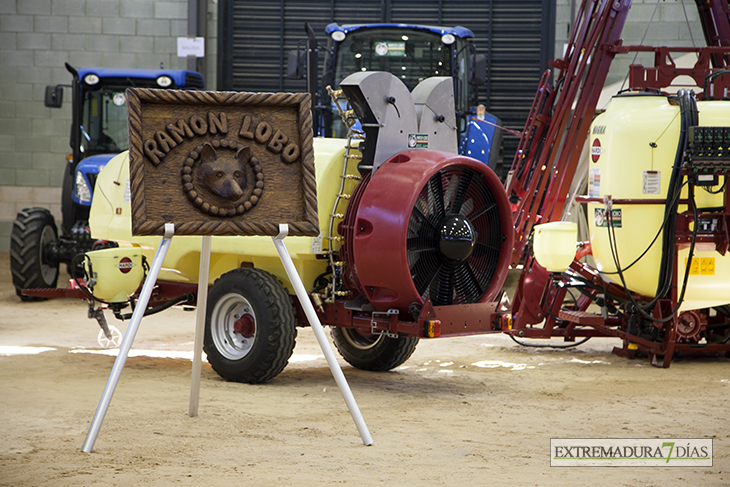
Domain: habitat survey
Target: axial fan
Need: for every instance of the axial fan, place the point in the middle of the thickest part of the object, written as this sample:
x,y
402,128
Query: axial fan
x,y
454,237
427,225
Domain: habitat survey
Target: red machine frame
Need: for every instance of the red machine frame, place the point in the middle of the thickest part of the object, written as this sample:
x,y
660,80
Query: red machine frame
x,y
542,171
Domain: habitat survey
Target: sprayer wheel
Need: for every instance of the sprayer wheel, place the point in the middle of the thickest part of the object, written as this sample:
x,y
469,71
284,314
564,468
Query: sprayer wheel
x,y
33,230
250,326
377,353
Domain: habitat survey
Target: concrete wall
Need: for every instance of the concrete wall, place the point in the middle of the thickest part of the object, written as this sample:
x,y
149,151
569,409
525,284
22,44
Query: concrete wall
x,y
36,38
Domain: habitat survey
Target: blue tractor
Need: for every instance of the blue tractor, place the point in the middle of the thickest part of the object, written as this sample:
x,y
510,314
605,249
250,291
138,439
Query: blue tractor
x,y
98,133
412,53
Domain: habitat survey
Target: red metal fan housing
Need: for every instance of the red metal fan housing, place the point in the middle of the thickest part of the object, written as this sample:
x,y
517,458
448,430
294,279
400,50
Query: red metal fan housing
x,y
427,225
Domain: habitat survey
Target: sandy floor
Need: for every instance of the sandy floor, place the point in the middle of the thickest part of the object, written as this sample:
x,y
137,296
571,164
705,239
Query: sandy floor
x,y
462,411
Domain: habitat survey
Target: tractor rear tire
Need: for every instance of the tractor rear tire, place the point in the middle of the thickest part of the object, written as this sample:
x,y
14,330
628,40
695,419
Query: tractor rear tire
x,y
377,353
250,327
33,230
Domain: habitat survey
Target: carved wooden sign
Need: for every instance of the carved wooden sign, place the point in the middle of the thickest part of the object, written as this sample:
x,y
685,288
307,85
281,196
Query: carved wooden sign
x,y
221,163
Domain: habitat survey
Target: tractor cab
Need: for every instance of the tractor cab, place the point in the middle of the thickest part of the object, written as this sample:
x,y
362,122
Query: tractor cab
x,y
412,53
98,133
99,125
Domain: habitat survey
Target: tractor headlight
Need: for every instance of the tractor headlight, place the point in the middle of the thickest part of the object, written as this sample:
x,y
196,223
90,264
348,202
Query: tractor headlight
x,y
91,79
82,190
164,81
338,36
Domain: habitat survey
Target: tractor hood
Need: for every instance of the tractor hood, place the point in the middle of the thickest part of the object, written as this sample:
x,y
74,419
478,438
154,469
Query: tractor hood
x,y
458,31
85,177
94,163
180,78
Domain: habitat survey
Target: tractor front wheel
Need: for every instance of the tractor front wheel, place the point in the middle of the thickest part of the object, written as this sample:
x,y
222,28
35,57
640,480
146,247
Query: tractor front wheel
x,y
250,327
377,353
34,229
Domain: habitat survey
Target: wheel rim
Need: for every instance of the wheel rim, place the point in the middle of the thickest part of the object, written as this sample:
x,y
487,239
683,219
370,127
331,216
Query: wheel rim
x,y
227,311
48,272
358,341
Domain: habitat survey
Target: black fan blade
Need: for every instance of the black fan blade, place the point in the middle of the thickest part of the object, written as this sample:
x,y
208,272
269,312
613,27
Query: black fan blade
x,y
481,249
461,192
421,217
483,211
468,287
442,289
425,269
415,245
437,194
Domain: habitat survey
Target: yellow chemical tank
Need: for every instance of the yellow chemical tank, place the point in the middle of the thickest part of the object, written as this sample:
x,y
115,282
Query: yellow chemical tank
x,y
110,219
116,272
633,146
554,245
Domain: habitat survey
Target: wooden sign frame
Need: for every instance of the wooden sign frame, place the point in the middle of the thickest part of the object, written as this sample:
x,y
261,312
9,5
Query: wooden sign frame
x,y
221,163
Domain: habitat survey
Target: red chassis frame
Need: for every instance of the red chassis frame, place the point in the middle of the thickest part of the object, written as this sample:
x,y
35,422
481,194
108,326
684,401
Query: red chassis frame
x,y
432,322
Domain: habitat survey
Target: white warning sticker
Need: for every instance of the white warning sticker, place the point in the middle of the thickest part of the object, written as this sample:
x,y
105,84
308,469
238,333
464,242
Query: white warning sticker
x,y
652,182
316,244
594,182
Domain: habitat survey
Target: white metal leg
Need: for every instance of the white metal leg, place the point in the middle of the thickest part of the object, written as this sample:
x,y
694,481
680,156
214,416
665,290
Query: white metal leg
x,y
137,315
203,276
329,354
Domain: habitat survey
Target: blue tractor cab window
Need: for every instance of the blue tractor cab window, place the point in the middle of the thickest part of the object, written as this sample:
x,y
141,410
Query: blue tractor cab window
x,y
104,121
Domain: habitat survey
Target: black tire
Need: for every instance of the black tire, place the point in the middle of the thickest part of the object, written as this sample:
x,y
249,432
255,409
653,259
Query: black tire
x,y
33,230
261,299
377,353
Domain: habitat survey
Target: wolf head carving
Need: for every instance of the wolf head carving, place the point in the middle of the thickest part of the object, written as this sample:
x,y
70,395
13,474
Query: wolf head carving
x,y
224,175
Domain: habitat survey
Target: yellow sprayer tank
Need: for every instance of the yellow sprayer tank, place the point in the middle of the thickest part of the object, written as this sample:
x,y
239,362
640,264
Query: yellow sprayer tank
x,y
633,147
110,219
117,272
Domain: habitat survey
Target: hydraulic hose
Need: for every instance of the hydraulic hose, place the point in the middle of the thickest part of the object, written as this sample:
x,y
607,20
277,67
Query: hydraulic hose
x,y
688,117
186,298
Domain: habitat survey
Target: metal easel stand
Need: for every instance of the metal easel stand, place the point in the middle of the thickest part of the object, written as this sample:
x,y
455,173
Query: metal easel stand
x,y
126,345
334,366
202,303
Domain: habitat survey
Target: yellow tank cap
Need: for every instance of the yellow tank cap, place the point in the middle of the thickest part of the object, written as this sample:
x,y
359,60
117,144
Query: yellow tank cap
x,y
554,244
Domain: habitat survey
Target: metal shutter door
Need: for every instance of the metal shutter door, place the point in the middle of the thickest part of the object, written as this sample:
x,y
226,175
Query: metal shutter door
x,y
516,36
